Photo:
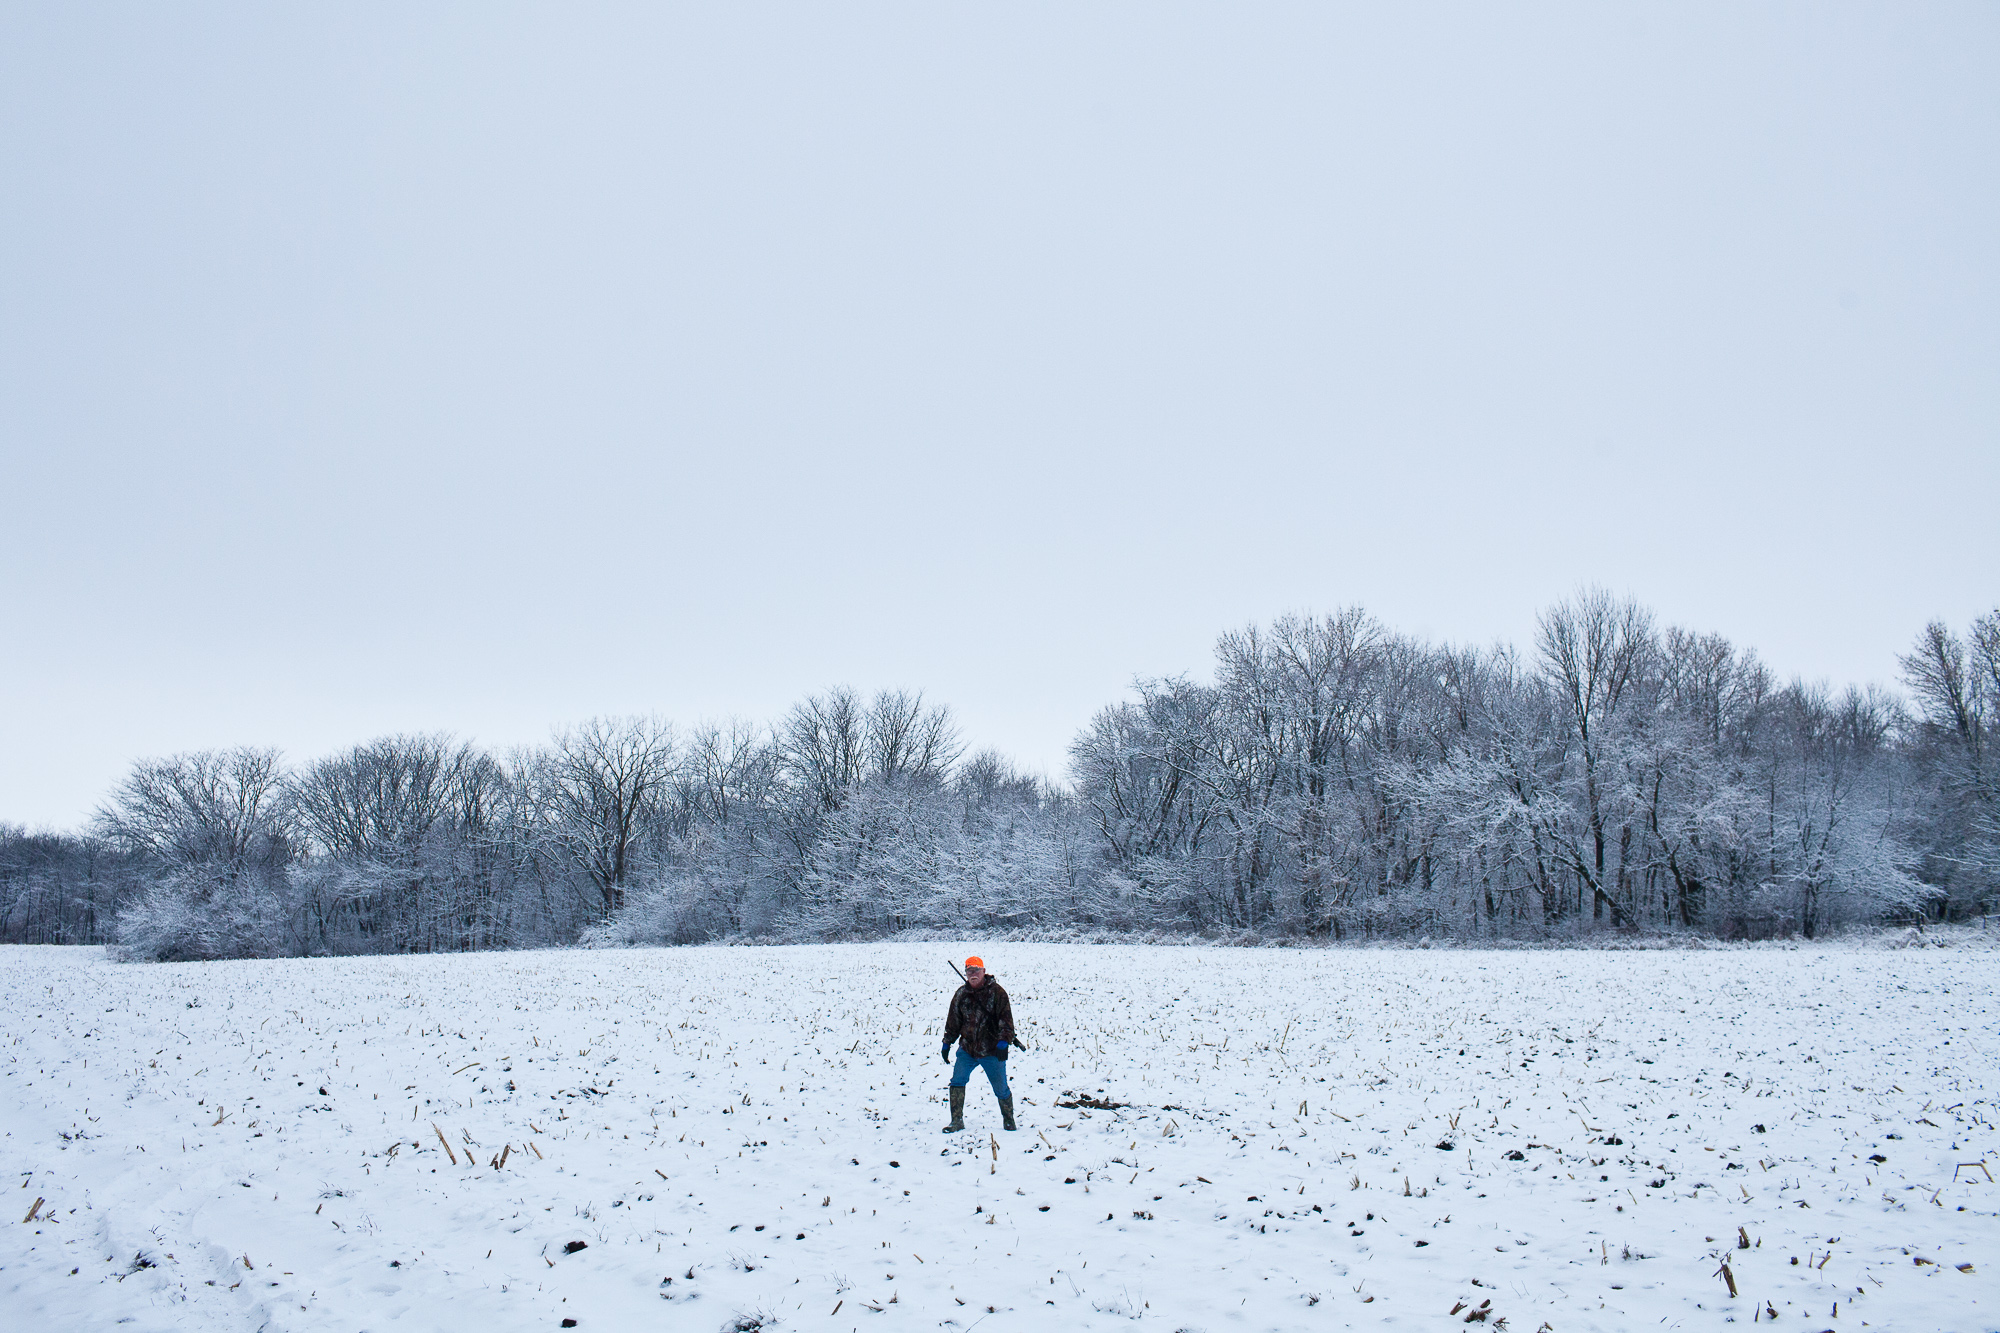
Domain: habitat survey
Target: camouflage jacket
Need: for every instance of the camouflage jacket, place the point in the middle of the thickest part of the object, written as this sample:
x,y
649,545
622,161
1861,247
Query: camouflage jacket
x,y
979,1018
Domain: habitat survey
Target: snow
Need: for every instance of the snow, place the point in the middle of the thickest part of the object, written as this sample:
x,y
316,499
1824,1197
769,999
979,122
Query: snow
x,y
744,1133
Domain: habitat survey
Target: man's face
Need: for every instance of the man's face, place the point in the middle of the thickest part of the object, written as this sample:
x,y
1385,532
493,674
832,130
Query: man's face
x,y
975,977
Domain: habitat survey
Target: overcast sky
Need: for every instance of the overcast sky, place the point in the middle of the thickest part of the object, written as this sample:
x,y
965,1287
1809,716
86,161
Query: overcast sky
x,y
374,368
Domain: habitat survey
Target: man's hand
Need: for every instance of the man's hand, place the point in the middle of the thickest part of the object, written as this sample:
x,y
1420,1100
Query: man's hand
x,y
946,1052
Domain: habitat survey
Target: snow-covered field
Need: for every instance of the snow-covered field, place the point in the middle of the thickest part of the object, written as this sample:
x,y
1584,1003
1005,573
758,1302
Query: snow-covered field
x,y
703,1138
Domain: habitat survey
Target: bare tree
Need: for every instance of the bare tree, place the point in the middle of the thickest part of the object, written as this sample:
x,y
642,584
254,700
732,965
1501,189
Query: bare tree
x,y
219,810
824,744
1957,687
212,826
906,742
1594,648
1953,692
406,825
387,794
604,780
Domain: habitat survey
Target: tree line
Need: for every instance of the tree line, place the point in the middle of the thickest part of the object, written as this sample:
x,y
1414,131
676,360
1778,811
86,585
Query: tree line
x,y
1333,779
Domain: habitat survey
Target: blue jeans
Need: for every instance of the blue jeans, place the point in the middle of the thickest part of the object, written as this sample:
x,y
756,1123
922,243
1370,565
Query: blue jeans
x,y
996,1072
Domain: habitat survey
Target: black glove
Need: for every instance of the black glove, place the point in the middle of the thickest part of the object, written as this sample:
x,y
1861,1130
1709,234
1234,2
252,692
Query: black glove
x,y
946,1052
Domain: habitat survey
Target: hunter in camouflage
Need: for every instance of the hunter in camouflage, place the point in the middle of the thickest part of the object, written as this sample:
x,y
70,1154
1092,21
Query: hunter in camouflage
x,y
982,1023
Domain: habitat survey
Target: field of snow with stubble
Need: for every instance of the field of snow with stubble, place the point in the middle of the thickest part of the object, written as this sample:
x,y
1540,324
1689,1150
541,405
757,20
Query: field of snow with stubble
x,y
732,1138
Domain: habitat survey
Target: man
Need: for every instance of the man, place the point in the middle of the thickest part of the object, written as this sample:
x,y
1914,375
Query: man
x,y
982,1023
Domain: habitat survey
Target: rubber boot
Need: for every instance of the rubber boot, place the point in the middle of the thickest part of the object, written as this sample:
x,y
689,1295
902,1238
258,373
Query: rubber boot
x,y
957,1111
1006,1113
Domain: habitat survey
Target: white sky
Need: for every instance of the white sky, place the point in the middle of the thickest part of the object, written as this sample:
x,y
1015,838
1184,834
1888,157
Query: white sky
x,y
372,368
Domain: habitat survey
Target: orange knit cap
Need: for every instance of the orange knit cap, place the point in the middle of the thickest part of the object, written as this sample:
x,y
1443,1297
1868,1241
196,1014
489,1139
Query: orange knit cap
x,y
976,961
